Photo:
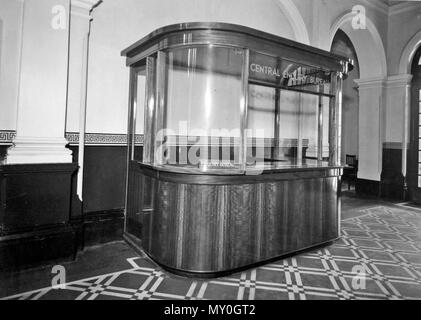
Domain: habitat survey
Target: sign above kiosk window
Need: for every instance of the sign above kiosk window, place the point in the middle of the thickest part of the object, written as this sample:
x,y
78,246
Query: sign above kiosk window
x,y
288,74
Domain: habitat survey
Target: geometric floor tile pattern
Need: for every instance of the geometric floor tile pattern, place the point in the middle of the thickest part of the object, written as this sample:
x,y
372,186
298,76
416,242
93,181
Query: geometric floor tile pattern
x,y
377,257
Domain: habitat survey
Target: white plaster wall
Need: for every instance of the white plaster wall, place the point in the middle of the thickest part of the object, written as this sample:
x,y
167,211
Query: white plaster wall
x,y
43,84
399,36
79,27
398,39
118,24
10,29
321,15
395,114
311,10
371,126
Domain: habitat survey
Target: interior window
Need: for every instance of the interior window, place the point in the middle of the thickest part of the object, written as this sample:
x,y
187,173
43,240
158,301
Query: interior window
x,y
284,125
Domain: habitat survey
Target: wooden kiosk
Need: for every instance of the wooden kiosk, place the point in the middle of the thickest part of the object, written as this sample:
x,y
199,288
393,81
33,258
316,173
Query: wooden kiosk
x,y
240,158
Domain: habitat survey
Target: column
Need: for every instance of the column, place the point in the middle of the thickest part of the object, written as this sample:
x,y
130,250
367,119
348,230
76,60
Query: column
x,y
43,84
398,117
53,76
371,127
80,21
78,75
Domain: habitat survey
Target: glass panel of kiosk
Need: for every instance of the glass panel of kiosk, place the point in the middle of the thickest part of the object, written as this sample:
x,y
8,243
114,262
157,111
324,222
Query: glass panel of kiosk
x,y
202,108
229,110
289,109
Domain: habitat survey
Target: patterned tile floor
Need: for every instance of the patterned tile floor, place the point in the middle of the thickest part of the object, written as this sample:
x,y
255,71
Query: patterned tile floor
x,y
378,257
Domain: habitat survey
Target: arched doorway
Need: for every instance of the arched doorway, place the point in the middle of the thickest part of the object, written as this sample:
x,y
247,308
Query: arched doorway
x,y
414,159
342,45
371,54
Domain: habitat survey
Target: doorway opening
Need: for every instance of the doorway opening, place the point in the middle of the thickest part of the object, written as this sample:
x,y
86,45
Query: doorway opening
x,y
414,157
343,46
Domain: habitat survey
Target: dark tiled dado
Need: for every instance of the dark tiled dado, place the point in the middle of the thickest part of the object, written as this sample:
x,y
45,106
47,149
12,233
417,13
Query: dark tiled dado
x,y
378,257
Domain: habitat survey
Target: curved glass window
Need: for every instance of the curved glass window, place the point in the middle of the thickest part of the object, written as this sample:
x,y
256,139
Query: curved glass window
x,y
225,109
199,125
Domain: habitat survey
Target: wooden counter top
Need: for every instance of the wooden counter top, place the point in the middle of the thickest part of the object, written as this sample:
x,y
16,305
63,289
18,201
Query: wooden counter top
x,y
195,176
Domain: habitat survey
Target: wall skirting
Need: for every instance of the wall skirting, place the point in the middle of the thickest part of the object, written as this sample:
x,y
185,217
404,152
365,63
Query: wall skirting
x,y
39,221
34,195
391,184
368,187
60,243
99,227
392,189
392,180
31,249
35,204
104,179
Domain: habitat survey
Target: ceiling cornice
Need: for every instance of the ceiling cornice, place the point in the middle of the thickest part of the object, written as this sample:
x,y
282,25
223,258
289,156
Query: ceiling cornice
x,y
83,8
399,80
377,5
85,4
391,8
403,7
369,83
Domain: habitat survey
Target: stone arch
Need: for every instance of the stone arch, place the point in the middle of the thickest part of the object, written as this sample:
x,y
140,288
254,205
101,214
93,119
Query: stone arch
x,y
371,56
342,45
408,53
295,20
367,43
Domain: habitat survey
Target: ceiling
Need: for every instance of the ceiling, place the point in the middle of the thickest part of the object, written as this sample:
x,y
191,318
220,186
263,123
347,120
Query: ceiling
x,y
392,3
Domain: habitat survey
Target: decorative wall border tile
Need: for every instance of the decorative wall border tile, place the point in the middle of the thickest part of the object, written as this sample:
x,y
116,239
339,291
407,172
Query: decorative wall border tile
x,y
6,136
102,139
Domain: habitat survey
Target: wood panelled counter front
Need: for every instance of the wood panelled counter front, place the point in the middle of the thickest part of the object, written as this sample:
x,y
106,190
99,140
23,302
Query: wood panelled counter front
x,y
211,225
